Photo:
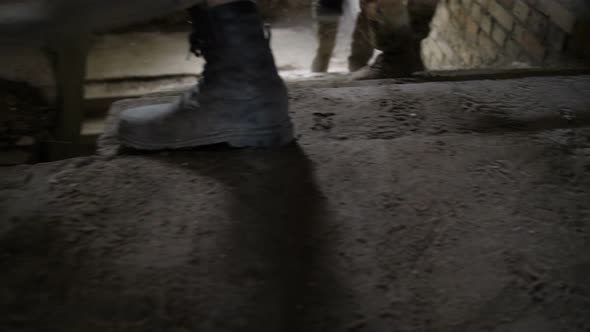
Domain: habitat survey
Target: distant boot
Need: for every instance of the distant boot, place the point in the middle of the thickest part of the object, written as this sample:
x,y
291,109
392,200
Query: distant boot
x,y
326,34
327,14
400,58
394,36
241,100
391,65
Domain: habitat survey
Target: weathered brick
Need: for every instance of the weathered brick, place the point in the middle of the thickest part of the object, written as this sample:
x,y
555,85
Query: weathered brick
x,y
445,49
501,15
440,19
530,43
471,30
488,48
499,35
476,12
459,18
427,60
486,24
434,32
512,50
537,24
521,10
493,32
476,61
432,53
443,14
519,30
467,4
438,56
466,56
454,5
558,14
506,3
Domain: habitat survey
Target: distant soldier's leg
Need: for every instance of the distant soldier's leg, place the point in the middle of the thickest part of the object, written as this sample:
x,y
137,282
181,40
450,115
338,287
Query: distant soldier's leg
x,y
327,15
326,35
393,35
362,47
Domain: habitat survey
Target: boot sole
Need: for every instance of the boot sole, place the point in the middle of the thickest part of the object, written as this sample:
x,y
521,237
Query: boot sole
x,y
258,138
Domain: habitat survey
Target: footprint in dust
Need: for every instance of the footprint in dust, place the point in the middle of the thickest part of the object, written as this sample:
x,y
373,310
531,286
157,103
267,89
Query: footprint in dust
x,y
406,116
322,121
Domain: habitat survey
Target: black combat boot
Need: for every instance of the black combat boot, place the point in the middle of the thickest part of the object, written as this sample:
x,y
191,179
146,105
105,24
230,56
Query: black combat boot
x,y
240,100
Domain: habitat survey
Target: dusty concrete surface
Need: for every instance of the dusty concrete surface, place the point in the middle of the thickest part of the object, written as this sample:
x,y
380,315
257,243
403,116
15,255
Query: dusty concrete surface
x,y
418,207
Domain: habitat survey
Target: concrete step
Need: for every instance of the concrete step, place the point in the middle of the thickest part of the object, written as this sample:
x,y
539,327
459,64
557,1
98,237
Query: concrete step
x,y
111,91
423,207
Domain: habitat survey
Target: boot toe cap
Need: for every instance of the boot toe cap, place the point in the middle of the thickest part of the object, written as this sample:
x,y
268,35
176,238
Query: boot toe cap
x,y
143,114
141,125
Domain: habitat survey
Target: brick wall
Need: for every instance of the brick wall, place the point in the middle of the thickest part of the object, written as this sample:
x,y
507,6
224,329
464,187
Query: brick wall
x,y
505,33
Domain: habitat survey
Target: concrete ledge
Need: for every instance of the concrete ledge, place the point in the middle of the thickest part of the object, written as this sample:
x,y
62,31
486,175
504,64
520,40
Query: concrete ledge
x,y
438,206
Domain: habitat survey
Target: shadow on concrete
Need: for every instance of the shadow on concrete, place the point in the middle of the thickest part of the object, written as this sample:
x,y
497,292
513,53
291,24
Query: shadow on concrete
x,y
274,246
506,124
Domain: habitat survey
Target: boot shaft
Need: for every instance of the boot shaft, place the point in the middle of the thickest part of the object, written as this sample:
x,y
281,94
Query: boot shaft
x,y
238,58
228,30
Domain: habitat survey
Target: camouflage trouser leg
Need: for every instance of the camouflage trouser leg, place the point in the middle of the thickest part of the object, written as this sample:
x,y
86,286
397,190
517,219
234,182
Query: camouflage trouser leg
x,y
362,46
326,34
327,16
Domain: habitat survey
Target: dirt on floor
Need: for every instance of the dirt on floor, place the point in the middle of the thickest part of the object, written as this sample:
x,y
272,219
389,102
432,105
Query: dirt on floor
x,y
456,206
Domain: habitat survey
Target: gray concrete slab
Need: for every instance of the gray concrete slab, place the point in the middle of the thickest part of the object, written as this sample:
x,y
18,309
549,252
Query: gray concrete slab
x,y
416,207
